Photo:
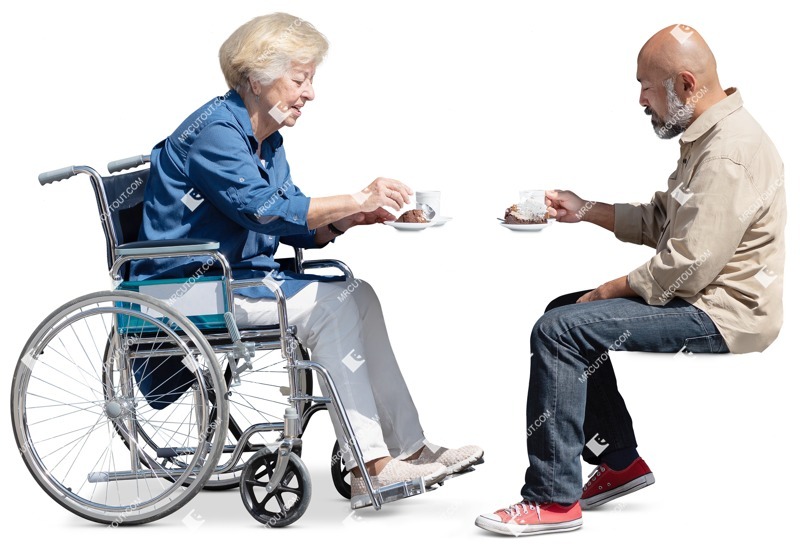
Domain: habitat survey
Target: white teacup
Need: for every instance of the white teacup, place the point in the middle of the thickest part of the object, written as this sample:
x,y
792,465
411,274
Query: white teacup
x,y
431,198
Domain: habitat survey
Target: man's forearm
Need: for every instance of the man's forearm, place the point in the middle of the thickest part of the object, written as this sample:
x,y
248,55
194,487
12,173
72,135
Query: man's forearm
x,y
601,214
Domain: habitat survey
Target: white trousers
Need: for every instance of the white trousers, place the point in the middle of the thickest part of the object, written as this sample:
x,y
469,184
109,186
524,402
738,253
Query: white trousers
x,y
341,325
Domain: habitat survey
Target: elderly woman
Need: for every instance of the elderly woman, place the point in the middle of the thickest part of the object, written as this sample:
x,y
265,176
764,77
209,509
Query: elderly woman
x,y
223,175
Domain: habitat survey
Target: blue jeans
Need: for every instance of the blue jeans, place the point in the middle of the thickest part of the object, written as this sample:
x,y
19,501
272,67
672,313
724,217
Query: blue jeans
x,y
574,406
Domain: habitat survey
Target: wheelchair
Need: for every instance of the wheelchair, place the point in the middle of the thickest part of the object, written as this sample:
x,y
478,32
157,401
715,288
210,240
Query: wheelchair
x,y
126,403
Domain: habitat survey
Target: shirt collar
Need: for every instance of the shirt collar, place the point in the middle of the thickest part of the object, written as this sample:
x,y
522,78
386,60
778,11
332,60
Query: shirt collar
x,y
713,116
239,111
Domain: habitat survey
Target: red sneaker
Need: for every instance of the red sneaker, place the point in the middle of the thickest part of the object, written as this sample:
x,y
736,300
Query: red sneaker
x,y
530,518
605,484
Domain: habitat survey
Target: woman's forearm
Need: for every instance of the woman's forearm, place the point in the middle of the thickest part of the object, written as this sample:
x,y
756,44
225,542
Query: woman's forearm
x,y
325,210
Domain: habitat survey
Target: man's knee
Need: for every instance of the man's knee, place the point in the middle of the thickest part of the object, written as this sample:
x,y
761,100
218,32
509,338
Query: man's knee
x,y
545,328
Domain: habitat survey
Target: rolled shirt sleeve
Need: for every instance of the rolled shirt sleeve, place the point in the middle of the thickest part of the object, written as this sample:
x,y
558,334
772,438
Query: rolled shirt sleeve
x,y
702,232
224,171
641,224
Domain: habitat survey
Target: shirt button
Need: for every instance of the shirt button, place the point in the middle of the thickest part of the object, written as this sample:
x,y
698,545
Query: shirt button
x,y
241,180
685,160
295,218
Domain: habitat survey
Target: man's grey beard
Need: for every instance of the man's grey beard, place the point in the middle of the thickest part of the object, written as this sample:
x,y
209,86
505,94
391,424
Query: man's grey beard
x,y
679,115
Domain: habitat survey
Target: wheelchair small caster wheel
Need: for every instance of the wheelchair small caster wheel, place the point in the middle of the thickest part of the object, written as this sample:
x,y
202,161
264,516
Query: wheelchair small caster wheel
x,y
287,503
339,472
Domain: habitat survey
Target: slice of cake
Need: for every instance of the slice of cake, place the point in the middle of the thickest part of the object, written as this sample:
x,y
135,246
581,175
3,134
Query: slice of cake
x,y
414,216
529,212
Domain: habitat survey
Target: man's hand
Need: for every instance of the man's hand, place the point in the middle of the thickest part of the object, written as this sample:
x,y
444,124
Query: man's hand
x,y
383,192
567,206
615,288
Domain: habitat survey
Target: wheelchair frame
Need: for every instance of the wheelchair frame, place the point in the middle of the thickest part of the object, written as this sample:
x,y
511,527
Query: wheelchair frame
x,y
182,337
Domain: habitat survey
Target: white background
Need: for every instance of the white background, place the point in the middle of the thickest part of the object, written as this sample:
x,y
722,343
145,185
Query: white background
x,y
479,100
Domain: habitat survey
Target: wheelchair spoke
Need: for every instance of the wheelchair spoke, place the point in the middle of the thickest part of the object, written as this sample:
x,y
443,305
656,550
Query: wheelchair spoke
x,y
83,349
291,490
62,389
85,440
279,499
94,405
42,440
70,444
94,343
248,405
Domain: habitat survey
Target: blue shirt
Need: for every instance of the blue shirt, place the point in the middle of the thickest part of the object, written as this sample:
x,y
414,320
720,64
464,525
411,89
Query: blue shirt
x,y
207,182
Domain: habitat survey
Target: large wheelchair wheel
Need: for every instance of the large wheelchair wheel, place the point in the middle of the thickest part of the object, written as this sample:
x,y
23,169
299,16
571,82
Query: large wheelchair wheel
x,y
113,408
259,398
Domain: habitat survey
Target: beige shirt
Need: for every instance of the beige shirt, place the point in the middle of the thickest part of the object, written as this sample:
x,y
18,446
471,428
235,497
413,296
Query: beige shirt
x,y
718,228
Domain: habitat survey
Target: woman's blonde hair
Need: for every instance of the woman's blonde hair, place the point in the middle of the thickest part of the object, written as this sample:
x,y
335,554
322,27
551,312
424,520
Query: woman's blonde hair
x,y
265,47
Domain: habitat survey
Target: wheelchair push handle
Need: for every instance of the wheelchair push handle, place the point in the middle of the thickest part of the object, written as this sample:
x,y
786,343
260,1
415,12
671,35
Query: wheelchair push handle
x,y
127,163
57,175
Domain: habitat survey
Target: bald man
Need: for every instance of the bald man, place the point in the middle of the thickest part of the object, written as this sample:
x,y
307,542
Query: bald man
x,y
714,285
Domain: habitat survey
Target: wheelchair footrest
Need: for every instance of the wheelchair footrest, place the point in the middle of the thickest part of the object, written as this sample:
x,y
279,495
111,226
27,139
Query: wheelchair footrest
x,y
398,491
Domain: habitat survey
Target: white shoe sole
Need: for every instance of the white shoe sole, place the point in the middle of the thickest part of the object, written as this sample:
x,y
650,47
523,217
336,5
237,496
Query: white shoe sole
x,y
464,464
527,530
632,486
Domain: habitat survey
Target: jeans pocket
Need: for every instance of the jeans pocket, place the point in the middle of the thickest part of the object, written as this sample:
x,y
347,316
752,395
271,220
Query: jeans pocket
x,y
711,343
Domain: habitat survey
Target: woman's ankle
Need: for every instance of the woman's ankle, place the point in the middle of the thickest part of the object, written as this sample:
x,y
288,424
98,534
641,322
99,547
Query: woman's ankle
x,y
374,467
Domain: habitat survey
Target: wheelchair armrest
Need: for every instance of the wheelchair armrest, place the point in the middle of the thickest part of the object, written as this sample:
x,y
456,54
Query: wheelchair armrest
x,y
166,246
328,263
300,265
160,249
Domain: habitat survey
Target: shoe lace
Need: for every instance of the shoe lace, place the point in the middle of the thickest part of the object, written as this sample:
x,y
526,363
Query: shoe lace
x,y
595,475
523,507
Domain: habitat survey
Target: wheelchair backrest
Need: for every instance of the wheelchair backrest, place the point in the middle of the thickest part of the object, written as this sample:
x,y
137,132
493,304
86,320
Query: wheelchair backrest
x,y
122,217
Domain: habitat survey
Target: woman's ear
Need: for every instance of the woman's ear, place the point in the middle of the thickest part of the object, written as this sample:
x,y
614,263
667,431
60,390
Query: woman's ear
x,y
255,86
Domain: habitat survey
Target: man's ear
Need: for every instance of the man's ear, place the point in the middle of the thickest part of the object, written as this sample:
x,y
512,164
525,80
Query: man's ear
x,y
687,83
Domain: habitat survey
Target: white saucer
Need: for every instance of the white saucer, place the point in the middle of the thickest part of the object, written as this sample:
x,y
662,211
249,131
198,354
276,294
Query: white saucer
x,y
526,227
441,220
411,226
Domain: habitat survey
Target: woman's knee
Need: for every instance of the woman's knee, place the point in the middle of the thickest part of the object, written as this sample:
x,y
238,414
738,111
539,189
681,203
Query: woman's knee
x,y
364,294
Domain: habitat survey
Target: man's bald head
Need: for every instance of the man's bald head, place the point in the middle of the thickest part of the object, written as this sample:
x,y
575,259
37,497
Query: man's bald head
x,y
678,73
676,49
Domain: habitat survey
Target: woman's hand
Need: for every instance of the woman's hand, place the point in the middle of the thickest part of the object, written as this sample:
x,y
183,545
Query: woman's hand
x,y
377,216
383,192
